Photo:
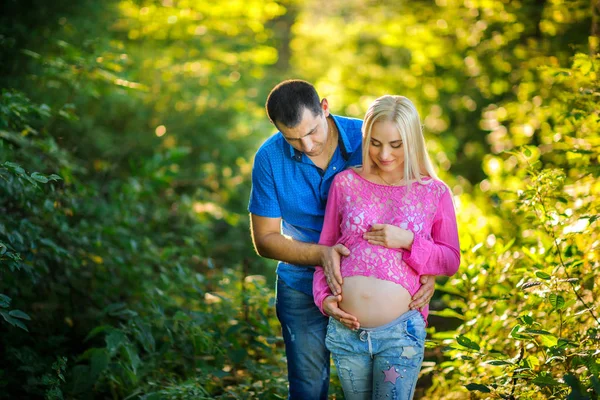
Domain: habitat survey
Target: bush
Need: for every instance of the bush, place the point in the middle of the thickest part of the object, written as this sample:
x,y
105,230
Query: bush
x,y
530,320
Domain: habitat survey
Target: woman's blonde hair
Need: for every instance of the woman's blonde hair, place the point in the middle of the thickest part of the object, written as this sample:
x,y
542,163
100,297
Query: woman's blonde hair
x,y
402,113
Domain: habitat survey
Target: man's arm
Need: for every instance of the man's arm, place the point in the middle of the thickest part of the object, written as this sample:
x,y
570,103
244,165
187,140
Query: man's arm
x,y
270,243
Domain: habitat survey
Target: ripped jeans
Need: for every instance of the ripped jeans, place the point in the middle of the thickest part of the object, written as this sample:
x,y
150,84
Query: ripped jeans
x,y
379,363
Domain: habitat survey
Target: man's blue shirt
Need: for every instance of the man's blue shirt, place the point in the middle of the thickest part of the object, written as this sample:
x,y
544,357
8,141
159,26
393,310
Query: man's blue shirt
x,y
286,184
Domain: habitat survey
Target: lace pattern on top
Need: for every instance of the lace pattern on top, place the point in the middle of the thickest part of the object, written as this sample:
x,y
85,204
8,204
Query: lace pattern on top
x,y
362,203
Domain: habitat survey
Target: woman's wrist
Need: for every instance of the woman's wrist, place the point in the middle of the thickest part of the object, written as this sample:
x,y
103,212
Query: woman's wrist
x,y
410,238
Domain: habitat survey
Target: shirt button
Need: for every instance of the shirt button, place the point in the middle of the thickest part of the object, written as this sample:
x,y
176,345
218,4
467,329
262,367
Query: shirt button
x,y
334,168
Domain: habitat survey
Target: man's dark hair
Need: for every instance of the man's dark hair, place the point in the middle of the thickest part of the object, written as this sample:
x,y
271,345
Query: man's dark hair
x,y
287,101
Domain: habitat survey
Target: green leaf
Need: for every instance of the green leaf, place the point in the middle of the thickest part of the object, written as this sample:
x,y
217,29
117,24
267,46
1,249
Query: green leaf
x,y
479,387
530,284
515,333
542,275
507,246
536,332
98,362
114,340
4,300
447,313
557,301
13,321
134,358
526,319
39,177
97,330
19,314
30,53
543,379
466,342
144,335
549,340
499,362
15,168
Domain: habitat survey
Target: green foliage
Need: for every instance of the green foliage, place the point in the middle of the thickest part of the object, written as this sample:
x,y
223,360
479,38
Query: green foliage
x,y
136,290
126,136
117,251
531,319
509,96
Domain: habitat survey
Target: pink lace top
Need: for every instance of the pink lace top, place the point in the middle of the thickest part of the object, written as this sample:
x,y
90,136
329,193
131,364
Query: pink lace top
x,y
426,209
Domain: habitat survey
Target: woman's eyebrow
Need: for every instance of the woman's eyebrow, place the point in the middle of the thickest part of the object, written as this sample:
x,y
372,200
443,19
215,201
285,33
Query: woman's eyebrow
x,y
392,142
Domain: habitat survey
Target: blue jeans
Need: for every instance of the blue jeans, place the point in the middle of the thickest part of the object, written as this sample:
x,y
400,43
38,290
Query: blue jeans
x,y
304,329
379,363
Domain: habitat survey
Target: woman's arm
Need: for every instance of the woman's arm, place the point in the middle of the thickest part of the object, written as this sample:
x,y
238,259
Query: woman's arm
x,y
329,237
441,254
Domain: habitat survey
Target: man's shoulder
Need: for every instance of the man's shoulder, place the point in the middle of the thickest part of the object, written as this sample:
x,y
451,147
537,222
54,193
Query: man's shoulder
x,y
349,122
351,130
271,146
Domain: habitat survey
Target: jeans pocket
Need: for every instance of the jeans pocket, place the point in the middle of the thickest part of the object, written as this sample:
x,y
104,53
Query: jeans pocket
x,y
330,333
415,330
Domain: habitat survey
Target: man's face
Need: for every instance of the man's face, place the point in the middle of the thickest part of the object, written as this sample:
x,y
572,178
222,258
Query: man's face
x,y
310,135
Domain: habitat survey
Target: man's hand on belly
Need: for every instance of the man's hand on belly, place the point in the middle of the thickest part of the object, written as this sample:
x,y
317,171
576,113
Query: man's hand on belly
x,y
330,261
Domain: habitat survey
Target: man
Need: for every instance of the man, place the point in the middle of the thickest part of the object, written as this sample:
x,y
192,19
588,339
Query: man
x,y
292,173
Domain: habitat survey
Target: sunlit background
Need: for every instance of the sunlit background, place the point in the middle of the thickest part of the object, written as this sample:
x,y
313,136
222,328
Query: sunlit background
x,y
127,134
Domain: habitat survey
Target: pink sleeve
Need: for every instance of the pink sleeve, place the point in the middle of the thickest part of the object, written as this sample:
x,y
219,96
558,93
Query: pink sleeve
x,y
329,237
441,255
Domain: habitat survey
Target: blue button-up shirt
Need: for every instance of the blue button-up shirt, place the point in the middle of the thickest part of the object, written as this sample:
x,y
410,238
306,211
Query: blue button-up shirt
x,y
286,184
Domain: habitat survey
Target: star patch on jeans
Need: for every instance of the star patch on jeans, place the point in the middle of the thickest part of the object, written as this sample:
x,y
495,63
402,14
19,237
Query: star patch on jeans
x,y
408,352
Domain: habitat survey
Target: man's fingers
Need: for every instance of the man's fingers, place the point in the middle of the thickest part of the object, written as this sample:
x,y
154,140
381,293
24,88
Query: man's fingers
x,y
347,320
377,227
343,250
337,277
334,279
335,287
351,325
341,314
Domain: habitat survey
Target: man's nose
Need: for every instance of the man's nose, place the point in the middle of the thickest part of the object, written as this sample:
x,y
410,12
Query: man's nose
x,y
307,145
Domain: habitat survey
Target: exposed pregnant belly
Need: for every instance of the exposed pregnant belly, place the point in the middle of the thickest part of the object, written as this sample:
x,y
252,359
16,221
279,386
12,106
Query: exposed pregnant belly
x,y
373,301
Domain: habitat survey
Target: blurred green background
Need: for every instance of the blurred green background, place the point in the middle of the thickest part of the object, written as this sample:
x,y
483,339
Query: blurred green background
x,y
127,131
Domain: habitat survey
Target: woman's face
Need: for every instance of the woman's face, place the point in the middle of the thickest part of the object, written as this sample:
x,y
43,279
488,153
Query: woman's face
x,y
385,148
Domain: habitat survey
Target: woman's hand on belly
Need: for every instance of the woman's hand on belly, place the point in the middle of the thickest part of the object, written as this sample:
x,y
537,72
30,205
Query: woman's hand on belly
x,y
331,306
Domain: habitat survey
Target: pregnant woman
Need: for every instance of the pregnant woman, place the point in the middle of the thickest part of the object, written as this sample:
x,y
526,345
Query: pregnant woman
x,y
398,220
